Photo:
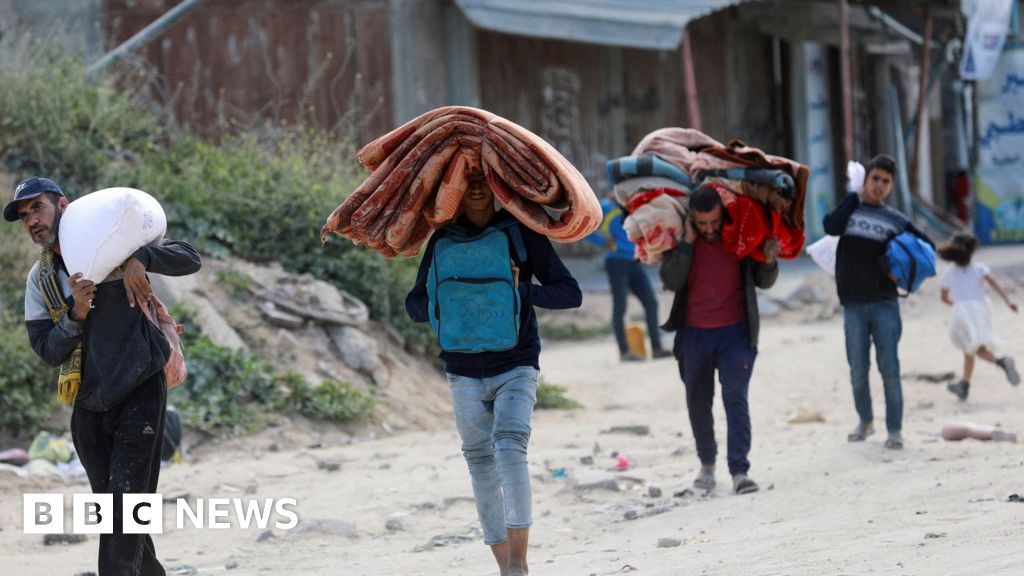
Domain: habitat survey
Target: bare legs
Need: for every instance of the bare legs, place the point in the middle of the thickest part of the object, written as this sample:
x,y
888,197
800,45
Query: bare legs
x,y
518,541
511,554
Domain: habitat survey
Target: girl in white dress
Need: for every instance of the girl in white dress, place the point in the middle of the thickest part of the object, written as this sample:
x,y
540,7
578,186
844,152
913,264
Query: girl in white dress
x,y
963,288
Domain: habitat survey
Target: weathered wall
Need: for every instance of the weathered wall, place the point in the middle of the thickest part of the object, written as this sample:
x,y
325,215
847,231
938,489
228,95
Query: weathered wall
x,y
325,61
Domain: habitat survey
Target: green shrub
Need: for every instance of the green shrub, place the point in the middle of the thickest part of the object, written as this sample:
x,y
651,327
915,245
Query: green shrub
x,y
572,331
237,282
28,387
332,400
552,397
56,124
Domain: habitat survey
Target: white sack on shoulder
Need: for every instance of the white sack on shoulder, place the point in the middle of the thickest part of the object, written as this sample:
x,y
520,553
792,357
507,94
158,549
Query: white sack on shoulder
x,y
101,230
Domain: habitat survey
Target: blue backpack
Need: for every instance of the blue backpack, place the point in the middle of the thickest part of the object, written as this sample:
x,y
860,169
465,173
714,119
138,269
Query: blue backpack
x,y
911,260
472,298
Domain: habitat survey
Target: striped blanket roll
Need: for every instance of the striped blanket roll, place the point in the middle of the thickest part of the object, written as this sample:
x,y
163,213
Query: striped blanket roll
x,y
628,167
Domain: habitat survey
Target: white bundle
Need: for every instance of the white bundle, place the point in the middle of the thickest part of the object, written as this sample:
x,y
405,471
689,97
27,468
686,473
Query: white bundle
x,y
823,252
855,176
101,230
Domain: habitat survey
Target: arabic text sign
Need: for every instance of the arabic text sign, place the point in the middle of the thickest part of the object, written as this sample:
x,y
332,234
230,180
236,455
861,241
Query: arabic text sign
x,y
999,180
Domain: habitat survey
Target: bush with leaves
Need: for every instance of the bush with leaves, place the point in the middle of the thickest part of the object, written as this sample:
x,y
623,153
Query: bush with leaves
x,y
55,123
552,397
28,387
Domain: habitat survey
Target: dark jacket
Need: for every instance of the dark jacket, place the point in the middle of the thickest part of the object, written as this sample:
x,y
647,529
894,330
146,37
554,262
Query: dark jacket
x,y
121,348
557,290
675,272
865,231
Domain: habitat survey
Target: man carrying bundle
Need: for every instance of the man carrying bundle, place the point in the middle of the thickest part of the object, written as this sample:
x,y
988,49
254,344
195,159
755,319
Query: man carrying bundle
x,y
716,321
475,285
111,359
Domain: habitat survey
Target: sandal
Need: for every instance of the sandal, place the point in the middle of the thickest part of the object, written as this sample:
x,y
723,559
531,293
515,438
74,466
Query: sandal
x,y
860,433
705,480
895,441
742,484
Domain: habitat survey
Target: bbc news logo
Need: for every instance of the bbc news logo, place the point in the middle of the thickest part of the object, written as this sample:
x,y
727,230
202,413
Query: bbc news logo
x,y
144,513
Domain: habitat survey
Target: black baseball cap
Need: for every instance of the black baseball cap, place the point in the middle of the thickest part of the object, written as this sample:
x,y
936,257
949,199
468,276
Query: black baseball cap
x,y
27,189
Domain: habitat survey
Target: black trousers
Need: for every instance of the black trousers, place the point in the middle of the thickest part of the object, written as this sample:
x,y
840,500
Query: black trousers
x,y
120,450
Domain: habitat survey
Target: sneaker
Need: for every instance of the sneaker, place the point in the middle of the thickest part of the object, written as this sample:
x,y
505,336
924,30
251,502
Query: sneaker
x,y
860,433
895,441
1008,366
630,357
960,389
742,484
661,354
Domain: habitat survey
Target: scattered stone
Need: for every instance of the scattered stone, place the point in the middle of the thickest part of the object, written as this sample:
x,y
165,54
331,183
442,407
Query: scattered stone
x,y
395,525
587,460
684,493
679,451
355,348
449,502
174,289
804,415
277,317
653,491
647,512
174,494
628,568
329,526
933,377
274,447
597,449
231,565
51,539
931,535
925,404
86,574
447,539
639,430
1015,498
609,484
308,297
329,465
669,542
265,536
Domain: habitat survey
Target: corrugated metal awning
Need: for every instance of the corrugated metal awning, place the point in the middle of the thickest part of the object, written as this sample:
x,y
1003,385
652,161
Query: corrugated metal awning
x,y
652,24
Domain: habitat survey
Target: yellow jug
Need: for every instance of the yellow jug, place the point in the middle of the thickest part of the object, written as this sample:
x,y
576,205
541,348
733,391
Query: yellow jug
x,y
636,338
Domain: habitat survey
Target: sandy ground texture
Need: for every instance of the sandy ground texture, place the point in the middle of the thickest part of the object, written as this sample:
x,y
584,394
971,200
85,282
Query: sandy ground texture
x,y
400,504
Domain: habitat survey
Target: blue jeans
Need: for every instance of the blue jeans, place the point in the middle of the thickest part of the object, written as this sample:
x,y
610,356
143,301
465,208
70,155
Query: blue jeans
x,y
493,417
700,352
626,276
877,322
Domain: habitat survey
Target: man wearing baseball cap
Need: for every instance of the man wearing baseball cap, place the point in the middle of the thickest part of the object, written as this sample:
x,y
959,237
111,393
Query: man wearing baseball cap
x,y
111,360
